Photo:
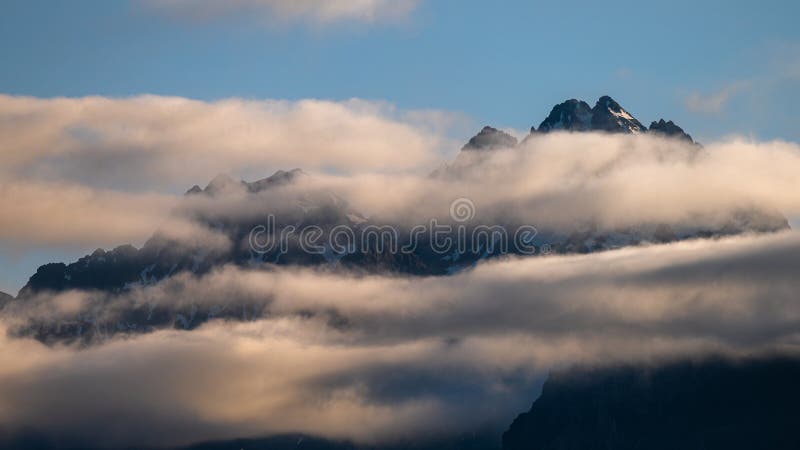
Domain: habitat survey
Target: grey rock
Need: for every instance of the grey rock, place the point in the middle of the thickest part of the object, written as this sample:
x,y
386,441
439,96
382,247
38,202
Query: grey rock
x,y
489,139
669,129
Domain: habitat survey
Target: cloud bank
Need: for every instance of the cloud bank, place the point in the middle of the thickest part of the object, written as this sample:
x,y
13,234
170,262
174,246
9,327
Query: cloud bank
x,y
365,357
97,171
156,142
375,359
89,162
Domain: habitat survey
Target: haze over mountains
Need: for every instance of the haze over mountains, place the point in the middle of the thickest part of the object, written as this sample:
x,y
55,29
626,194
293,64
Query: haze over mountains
x,y
160,255
473,304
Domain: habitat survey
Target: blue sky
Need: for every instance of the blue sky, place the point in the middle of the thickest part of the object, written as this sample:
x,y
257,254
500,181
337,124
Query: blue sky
x,y
501,63
715,67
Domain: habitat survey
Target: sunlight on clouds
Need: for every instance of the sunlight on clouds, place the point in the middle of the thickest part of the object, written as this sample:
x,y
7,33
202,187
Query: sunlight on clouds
x,y
167,141
313,11
417,356
714,102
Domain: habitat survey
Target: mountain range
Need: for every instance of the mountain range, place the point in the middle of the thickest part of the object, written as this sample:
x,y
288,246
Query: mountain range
x,y
577,116
126,267
693,405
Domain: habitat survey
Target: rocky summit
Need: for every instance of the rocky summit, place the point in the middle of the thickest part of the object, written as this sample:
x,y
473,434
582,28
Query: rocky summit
x,y
606,116
489,139
669,129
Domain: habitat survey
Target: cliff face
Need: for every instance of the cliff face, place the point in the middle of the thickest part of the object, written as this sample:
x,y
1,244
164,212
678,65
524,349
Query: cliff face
x,y
709,405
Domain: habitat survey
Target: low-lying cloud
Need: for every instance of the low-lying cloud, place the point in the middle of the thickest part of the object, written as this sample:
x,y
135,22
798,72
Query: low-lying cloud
x,y
366,357
376,358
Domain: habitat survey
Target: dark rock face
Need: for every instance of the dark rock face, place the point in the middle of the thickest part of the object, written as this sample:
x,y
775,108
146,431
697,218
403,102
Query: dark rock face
x,y
489,139
100,270
30,439
47,277
669,129
473,441
572,115
709,405
194,190
608,115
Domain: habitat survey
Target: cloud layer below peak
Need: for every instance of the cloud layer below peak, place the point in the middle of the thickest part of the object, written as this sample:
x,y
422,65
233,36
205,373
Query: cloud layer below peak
x,y
374,358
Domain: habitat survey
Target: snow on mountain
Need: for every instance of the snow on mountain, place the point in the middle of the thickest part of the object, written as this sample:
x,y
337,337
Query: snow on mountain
x,y
608,115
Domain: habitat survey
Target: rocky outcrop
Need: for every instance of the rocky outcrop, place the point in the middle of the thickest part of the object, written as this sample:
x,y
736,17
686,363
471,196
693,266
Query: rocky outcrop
x,y
694,405
490,139
608,116
669,129
572,115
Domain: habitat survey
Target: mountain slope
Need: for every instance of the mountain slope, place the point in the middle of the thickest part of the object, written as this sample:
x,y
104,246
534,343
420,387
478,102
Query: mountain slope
x,y
695,405
608,115
489,139
669,129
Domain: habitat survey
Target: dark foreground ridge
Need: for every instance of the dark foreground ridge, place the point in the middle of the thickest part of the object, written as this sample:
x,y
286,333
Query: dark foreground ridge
x,y
711,405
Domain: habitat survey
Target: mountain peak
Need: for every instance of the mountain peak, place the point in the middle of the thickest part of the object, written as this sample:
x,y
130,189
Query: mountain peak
x,y
219,184
490,138
669,129
576,115
194,190
225,183
607,102
608,115
279,178
571,115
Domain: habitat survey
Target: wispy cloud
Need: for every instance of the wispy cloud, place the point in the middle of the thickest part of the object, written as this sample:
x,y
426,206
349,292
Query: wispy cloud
x,y
319,12
714,102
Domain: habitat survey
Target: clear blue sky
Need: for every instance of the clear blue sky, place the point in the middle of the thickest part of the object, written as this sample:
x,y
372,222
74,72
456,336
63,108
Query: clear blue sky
x,y
501,63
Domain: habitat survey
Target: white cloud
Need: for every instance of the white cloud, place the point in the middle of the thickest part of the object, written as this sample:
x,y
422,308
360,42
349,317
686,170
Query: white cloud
x,y
313,11
404,356
71,216
714,102
153,142
86,163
